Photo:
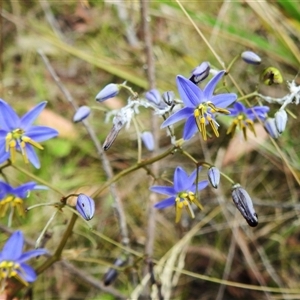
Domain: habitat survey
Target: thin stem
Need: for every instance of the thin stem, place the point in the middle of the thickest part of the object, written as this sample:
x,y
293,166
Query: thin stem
x,y
38,179
105,162
38,241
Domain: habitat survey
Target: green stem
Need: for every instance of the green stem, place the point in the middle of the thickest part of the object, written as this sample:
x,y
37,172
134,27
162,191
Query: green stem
x,y
137,166
63,241
36,178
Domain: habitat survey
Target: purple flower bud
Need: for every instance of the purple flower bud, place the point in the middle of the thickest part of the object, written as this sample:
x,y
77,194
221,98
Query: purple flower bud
x,y
111,275
153,96
85,206
244,204
109,91
251,58
82,113
214,176
200,72
148,140
271,128
280,120
168,97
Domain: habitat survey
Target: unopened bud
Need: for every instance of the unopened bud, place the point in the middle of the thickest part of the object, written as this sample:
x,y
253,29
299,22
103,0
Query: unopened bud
x,y
281,120
148,140
214,176
111,275
271,76
251,58
200,73
271,128
82,113
168,97
244,204
109,91
85,206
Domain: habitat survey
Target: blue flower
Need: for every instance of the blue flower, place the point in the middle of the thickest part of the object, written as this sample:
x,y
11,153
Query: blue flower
x,y
10,196
200,106
182,193
12,260
244,117
19,134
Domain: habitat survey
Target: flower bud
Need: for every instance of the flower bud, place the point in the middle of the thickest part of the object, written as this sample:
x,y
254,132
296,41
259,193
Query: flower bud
x,y
148,140
111,275
168,97
244,204
271,128
153,96
214,176
251,58
82,113
271,76
85,206
109,91
200,73
280,120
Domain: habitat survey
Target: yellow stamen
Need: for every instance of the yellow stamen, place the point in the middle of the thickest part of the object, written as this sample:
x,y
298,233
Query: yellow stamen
x,y
213,125
28,140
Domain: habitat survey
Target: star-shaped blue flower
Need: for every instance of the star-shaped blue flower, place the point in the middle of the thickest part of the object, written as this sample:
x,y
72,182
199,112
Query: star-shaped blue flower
x,y
244,117
182,193
19,134
200,106
10,196
12,260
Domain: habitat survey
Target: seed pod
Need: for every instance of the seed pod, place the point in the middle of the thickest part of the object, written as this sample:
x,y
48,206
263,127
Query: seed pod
x,y
85,206
244,204
271,76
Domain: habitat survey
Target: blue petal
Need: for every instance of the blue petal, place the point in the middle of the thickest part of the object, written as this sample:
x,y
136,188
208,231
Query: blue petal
x,y
12,249
22,190
201,185
9,120
190,93
3,154
165,190
193,176
190,128
27,273
5,187
210,87
180,179
29,117
179,115
30,254
223,100
41,133
165,203
240,107
32,157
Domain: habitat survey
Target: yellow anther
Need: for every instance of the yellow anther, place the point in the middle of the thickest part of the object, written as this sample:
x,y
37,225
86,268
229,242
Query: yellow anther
x,y
28,140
